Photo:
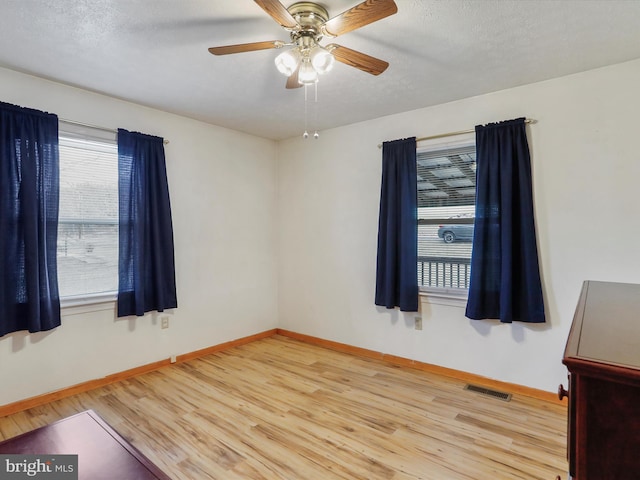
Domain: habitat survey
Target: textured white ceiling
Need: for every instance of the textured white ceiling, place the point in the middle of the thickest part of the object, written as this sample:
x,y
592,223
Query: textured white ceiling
x,y
154,52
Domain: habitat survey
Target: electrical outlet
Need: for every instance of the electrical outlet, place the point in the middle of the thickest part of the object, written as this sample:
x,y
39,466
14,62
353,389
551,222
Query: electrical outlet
x,y
164,322
418,324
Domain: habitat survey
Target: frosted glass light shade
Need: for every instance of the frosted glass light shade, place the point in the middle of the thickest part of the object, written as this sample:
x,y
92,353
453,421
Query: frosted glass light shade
x,y
307,74
287,62
321,59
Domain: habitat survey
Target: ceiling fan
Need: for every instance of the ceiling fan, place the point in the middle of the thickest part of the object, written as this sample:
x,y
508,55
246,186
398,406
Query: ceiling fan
x,y
307,23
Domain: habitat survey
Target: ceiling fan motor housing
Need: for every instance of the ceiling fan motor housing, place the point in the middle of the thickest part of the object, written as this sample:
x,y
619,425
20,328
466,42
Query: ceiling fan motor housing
x,y
310,17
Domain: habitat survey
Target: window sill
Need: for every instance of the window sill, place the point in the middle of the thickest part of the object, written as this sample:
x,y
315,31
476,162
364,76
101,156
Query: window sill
x,y
454,297
88,303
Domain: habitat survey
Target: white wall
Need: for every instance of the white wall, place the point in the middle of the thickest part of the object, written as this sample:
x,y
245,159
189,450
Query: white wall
x,y
223,187
585,168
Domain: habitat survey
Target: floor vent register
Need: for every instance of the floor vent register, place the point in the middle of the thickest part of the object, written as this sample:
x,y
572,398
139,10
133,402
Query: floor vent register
x,y
487,391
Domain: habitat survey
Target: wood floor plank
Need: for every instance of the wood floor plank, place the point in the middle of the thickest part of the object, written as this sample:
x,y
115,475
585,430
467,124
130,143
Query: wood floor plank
x,y
278,408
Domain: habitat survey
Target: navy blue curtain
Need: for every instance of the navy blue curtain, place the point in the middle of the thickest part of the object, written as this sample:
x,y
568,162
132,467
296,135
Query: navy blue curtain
x,y
397,263
505,277
146,269
29,192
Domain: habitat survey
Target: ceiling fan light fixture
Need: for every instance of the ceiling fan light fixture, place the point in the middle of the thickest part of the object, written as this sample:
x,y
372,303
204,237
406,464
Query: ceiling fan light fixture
x,y
307,23
321,59
307,74
287,62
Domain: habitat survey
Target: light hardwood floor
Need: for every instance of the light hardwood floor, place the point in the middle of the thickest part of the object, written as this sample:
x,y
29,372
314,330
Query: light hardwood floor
x,y
278,409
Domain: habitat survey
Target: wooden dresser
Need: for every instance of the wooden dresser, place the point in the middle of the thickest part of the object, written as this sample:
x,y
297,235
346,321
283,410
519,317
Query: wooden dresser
x,y
603,359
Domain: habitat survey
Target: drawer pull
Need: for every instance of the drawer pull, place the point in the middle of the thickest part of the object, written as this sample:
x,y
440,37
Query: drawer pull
x,y
562,393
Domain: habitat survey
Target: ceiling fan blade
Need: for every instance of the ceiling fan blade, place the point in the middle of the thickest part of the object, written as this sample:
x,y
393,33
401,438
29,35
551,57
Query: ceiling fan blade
x,y
278,12
292,80
359,60
246,47
362,14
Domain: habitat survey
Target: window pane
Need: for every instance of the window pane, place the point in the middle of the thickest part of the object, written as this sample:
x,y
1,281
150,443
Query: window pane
x,y
88,225
87,258
446,209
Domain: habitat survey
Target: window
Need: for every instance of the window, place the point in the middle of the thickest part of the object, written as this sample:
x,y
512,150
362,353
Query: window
x,y
446,211
88,219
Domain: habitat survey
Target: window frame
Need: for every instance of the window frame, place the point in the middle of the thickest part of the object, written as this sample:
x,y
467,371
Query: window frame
x,y
76,304
445,295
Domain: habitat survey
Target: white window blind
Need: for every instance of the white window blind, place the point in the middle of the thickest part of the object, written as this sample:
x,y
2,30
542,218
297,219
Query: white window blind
x,y
88,217
446,211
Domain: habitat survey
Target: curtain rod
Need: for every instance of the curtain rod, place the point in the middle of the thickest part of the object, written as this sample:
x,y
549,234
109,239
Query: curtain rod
x,y
453,134
104,129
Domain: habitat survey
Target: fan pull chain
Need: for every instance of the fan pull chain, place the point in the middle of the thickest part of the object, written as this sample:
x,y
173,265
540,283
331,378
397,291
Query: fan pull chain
x,y
316,135
306,133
